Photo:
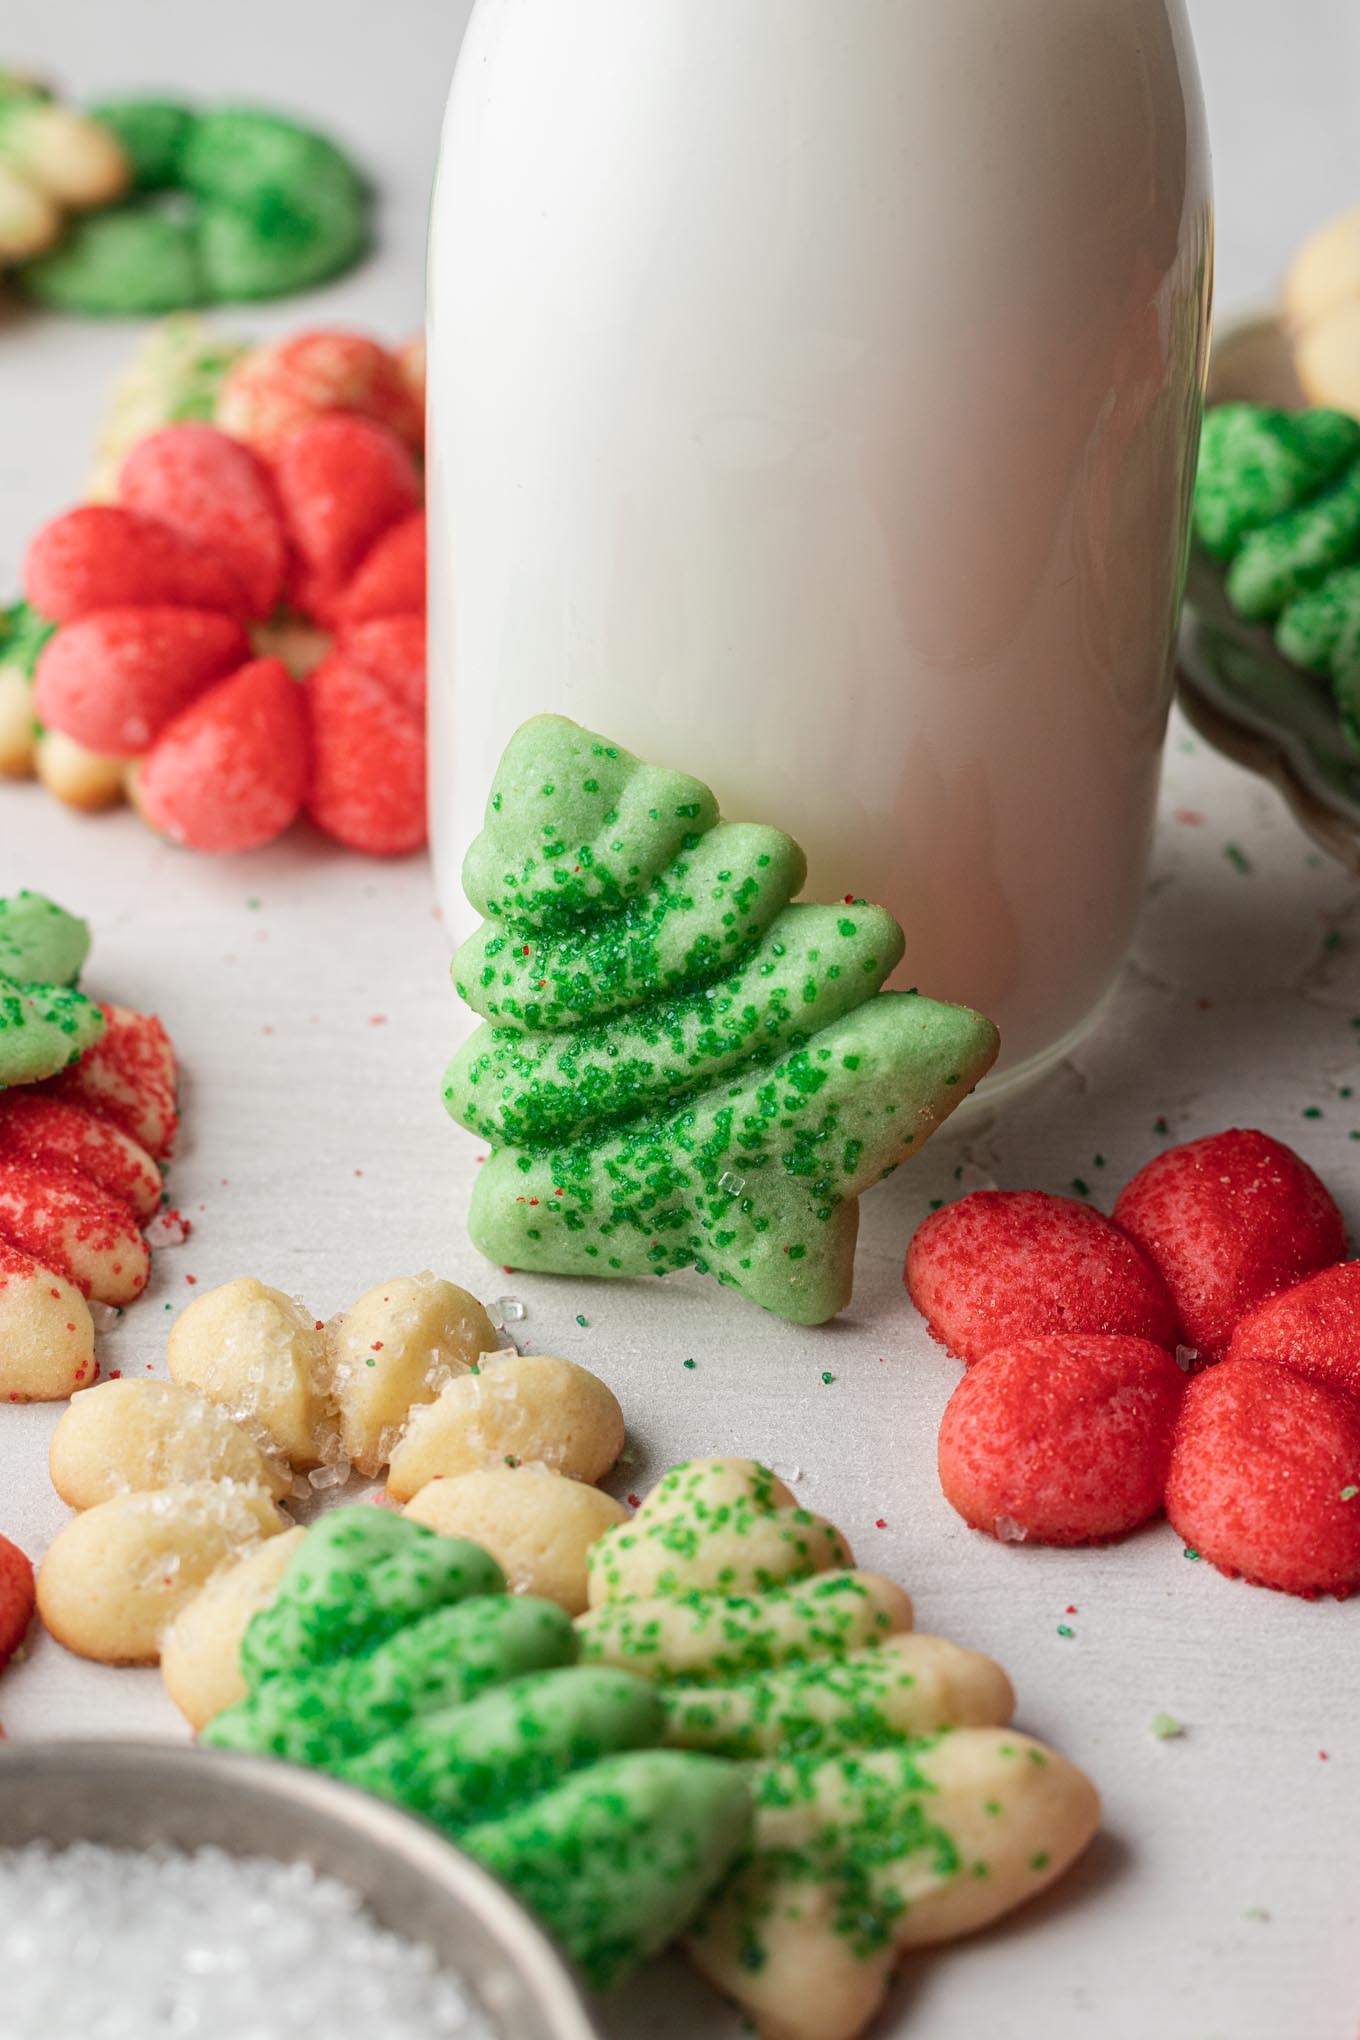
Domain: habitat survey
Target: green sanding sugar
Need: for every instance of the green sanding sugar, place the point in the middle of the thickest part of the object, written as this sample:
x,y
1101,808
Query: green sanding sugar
x,y
1166,1727
394,1658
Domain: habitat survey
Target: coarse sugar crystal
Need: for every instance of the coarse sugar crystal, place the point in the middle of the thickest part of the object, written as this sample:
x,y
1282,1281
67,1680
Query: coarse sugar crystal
x,y
128,1944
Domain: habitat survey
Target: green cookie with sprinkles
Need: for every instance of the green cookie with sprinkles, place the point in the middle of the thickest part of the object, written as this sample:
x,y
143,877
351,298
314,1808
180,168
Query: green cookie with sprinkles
x,y
677,1067
45,1023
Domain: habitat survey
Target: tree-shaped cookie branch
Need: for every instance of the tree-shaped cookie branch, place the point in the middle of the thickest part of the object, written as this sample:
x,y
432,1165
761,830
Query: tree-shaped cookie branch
x,y
395,1659
894,1806
677,1067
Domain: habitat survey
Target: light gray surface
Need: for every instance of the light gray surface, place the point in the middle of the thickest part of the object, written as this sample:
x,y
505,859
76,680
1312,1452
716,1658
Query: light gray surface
x,y
1220,1902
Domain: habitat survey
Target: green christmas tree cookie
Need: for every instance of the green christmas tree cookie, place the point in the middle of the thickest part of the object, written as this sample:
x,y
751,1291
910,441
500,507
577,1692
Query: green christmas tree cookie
x,y
45,1024
677,1067
394,1658
1277,506
894,1806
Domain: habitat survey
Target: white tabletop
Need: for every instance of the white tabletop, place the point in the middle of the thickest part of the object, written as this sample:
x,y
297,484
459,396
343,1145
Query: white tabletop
x,y
307,994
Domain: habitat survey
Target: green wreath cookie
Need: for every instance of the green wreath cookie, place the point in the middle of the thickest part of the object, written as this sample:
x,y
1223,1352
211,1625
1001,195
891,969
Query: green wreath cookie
x,y
53,160
229,205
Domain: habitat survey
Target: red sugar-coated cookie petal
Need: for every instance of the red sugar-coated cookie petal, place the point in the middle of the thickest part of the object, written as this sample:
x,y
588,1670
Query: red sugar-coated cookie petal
x,y
114,680
342,482
391,649
104,557
61,1219
213,492
17,1598
39,1128
1265,1477
1061,1440
275,390
1313,1327
1002,1265
1229,1220
231,771
391,581
368,762
128,1077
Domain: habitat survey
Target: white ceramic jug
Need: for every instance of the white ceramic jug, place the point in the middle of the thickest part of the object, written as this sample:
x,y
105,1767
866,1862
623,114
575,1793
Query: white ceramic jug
x,y
815,391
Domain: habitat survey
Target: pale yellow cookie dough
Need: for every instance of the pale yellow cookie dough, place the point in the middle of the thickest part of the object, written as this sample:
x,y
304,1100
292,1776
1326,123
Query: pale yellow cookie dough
x,y
201,1650
18,736
82,779
518,1407
1322,312
133,1436
261,1356
46,1337
394,1349
536,1524
116,1576
1013,1813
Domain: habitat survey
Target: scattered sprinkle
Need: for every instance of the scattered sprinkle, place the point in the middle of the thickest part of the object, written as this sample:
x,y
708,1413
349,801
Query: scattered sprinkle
x,y
828,1379
1348,1494
1238,858
1081,1186
581,1320
1065,1629
691,1363
1190,1552
1166,1727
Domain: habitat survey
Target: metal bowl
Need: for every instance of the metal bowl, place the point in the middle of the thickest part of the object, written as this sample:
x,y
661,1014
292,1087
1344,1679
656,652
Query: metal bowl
x,y
131,1795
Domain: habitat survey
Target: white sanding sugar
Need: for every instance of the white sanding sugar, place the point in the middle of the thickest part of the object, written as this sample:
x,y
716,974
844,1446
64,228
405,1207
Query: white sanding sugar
x,y
116,1944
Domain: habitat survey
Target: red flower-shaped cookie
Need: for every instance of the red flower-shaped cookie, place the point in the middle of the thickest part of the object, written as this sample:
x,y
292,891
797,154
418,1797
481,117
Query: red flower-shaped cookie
x,y
163,598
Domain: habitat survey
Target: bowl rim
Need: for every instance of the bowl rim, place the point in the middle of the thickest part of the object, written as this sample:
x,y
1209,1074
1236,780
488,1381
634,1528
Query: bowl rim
x,y
293,1789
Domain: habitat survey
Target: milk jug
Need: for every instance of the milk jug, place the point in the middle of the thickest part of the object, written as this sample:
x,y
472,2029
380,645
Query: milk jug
x,y
815,392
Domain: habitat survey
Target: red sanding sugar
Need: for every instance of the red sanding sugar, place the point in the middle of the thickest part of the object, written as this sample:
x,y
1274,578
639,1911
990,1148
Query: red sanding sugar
x,y
1265,1477
1061,1440
16,1598
368,761
128,1077
1314,1327
37,1127
60,1218
212,492
1002,1265
230,772
113,680
1229,1221
102,556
